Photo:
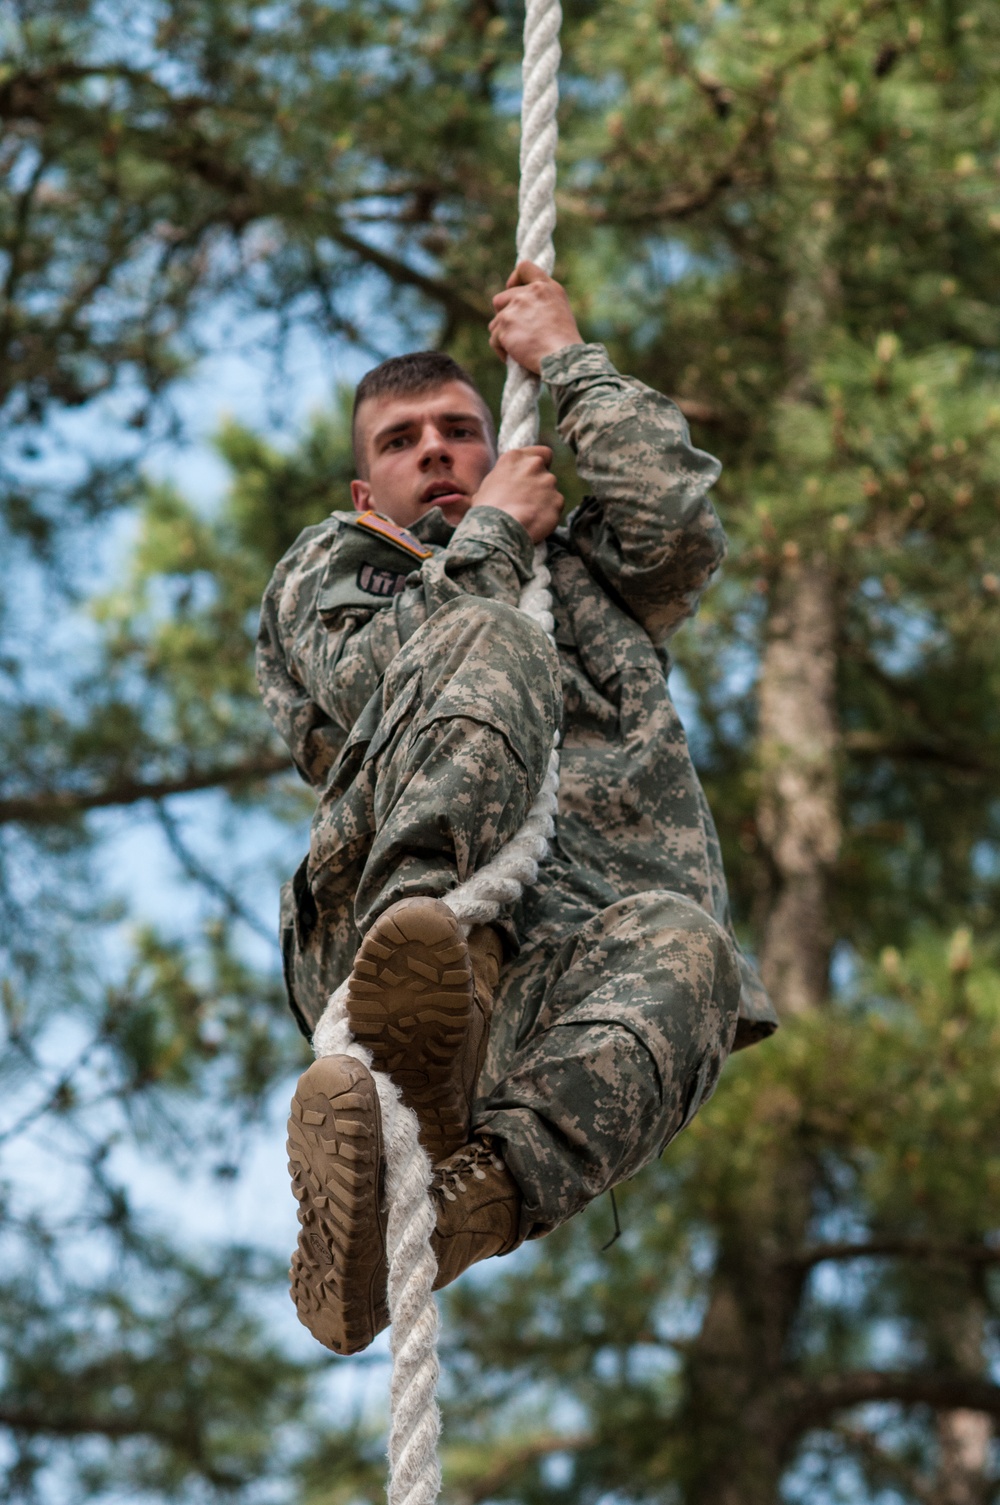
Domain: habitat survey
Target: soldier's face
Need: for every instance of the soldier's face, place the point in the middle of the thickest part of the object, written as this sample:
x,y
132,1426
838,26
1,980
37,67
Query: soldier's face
x,y
430,449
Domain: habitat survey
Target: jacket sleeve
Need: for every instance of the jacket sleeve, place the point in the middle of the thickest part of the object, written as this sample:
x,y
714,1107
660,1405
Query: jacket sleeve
x,y
490,554
303,725
318,670
646,529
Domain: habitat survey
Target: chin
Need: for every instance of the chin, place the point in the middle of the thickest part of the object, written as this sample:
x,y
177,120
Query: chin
x,y
453,514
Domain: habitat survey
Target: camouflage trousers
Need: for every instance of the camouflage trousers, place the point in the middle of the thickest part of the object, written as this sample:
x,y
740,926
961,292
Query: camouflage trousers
x,y
613,1019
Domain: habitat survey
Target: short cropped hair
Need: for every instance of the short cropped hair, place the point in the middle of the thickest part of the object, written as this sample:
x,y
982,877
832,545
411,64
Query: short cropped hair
x,y
403,375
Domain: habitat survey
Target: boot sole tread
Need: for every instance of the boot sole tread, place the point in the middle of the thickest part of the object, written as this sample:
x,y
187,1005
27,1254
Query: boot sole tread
x,y
410,1001
338,1271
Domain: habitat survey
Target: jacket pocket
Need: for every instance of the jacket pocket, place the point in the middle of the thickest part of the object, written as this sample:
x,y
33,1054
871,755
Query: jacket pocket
x,y
390,720
343,827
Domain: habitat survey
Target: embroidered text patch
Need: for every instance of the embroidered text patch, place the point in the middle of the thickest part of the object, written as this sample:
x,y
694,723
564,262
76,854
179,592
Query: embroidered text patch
x,y
379,582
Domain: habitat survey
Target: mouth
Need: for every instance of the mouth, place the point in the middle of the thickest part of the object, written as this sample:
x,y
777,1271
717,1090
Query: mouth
x,y
440,494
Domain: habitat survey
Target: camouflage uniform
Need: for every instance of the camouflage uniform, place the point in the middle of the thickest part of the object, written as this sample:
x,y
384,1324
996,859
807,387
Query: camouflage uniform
x,y
421,705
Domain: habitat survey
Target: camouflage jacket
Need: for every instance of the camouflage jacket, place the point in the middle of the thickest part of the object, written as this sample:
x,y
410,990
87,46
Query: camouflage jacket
x,y
627,569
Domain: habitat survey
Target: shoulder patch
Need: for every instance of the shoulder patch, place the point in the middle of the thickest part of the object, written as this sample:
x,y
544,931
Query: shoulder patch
x,y
374,522
379,582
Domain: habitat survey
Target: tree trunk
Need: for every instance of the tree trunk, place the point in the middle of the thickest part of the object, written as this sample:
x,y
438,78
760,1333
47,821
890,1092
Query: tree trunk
x,y
798,815
728,1465
736,1438
964,1437
736,1435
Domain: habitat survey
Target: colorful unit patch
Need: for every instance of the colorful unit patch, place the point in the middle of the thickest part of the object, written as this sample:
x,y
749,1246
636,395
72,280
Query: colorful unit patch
x,y
374,522
377,582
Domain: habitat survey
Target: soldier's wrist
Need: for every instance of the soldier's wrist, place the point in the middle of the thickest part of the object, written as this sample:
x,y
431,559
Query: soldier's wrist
x,y
486,526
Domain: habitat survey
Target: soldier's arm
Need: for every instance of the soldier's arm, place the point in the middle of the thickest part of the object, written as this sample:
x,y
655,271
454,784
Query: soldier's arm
x,y
324,643
646,529
490,554
305,728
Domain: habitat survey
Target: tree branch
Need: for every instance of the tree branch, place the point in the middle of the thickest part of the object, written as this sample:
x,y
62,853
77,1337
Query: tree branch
x,y
740,166
895,1248
27,94
51,806
671,206
464,305
491,1483
885,1465
198,873
185,1439
808,1403
697,411
916,749
43,1421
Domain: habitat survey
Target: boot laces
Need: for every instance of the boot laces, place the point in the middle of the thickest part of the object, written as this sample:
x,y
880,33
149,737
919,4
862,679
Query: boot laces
x,y
469,1163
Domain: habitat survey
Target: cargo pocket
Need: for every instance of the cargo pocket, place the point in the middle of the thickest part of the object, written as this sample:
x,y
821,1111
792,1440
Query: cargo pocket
x,y
390,720
344,824
633,1020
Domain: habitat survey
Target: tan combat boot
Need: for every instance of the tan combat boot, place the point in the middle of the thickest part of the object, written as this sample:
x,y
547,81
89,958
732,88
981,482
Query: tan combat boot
x,y
420,998
339,1271
478,1205
486,956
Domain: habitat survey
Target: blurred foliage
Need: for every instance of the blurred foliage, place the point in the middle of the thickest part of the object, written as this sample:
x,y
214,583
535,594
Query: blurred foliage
x,y
162,1363
785,213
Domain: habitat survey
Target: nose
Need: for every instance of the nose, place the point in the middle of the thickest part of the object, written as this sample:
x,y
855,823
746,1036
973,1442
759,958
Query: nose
x,y
434,449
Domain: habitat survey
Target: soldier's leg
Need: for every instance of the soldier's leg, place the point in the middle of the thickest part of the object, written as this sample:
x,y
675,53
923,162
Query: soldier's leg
x,y
425,797
426,791
625,1028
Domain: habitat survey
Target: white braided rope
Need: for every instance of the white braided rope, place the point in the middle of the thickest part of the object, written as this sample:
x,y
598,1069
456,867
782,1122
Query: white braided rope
x,y
496,886
415,1421
415,1424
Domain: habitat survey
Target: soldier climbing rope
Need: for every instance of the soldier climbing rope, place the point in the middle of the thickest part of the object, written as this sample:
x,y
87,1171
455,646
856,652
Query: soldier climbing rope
x,y
415,1425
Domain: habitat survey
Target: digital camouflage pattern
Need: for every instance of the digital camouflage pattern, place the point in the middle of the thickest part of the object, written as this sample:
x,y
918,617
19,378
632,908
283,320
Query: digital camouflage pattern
x,y
609,1032
424,717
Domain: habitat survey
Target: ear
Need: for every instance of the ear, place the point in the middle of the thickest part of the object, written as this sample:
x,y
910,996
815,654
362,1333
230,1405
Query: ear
x,y
361,495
